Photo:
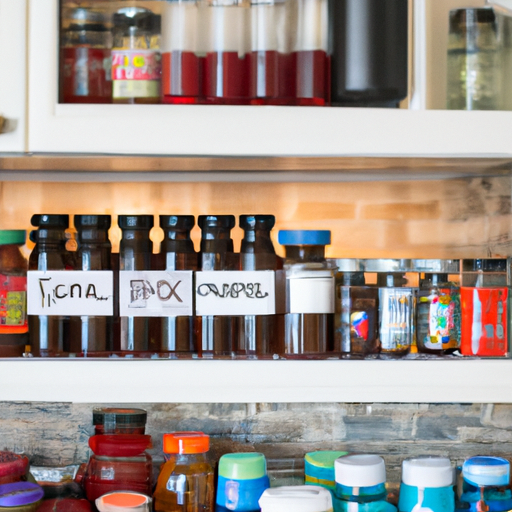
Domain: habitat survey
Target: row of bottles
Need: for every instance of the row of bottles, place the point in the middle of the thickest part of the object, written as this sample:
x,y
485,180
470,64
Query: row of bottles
x,y
278,52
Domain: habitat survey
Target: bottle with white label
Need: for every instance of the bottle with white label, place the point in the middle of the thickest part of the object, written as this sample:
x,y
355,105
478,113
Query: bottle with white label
x,y
309,294
257,332
177,253
135,252
218,334
92,333
49,334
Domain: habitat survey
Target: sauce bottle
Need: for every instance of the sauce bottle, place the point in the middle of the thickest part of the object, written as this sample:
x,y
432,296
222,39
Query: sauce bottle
x,y
257,332
186,480
177,253
92,334
49,334
135,252
218,334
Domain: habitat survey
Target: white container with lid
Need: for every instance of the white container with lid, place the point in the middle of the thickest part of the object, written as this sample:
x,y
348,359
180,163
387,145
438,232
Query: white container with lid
x,y
360,470
428,472
296,498
486,471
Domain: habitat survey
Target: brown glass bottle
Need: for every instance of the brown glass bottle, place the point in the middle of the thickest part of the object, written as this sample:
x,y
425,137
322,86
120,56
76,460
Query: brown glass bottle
x,y
257,332
177,253
218,334
92,333
135,252
49,335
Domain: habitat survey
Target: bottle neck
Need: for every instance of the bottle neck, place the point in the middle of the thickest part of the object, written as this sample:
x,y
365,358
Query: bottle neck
x,y
177,241
305,253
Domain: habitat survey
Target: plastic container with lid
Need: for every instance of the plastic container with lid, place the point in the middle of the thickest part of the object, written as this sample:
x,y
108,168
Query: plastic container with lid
x,y
186,480
20,497
13,467
296,498
123,500
13,294
241,482
309,294
361,479
109,420
319,468
427,485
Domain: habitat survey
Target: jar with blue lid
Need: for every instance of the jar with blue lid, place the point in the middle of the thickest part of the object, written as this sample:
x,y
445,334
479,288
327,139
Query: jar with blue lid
x,y
485,485
241,482
427,485
319,468
361,484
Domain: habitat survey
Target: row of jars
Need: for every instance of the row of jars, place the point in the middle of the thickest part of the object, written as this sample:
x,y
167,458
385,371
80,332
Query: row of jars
x,y
118,476
278,52
313,307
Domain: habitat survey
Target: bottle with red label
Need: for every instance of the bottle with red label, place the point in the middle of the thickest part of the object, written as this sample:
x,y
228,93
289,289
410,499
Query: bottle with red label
x,y
85,60
136,66
13,294
484,296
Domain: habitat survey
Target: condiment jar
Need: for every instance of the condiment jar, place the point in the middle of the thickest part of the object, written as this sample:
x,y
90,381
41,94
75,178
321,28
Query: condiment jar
x,y
242,480
427,484
13,294
296,498
20,497
123,500
361,479
186,480
319,468
109,420
13,467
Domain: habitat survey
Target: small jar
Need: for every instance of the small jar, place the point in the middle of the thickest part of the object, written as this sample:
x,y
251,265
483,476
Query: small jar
x,y
296,498
13,467
20,497
319,468
13,294
109,420
123,500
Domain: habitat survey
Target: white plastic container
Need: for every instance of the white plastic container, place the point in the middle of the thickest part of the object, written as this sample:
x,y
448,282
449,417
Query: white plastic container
x,y
299,498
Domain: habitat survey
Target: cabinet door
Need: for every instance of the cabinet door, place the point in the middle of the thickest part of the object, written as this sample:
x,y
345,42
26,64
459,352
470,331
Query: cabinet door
x,y
13,24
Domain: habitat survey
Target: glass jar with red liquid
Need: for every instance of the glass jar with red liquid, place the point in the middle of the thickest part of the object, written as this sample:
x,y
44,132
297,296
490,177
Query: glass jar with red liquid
x,y
85,57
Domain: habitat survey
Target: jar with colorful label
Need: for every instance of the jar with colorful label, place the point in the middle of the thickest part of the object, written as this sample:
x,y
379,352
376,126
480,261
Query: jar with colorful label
x,y
296,498
484,296
186,480
319,468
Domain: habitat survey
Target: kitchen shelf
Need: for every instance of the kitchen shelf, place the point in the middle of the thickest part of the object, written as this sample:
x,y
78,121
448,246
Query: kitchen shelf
x,y
202,381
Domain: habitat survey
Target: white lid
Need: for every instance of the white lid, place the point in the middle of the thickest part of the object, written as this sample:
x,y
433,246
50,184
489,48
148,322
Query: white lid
x,y
428,472
360,470
296,498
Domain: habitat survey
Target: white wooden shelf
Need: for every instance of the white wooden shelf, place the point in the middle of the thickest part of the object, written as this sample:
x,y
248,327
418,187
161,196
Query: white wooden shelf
x,y
203,381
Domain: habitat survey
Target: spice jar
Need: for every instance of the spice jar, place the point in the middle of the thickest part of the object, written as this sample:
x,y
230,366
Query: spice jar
x,y
319,468
186,480
13,294
296,498
111,420
20,497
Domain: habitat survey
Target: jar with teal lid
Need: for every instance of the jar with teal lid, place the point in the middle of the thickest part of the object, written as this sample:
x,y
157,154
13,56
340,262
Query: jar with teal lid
x,y
427,485
485,485
13,294
241,482
361,484
319,468
20,497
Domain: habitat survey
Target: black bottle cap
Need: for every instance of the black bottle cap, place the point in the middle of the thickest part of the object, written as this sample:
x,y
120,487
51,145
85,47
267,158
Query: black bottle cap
x,y
92,221
266,222
177,222
135,221
216,221
471,15
50,221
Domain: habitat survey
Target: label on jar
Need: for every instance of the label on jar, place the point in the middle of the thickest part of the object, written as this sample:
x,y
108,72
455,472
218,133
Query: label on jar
x,y
396,318
235,293
155,293
13,304
310,294
136,73
65,293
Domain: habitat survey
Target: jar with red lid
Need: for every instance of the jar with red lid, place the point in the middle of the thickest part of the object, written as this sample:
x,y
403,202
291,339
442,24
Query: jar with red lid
x,y
13,467
111,420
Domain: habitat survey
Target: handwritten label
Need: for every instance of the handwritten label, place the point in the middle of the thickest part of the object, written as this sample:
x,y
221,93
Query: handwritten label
x,y
155,293
234,293
65,293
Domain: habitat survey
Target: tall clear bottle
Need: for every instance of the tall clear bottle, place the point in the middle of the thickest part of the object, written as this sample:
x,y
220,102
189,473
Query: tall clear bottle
x,y
177,253
49,334
257,332
92,333
135,252
218,334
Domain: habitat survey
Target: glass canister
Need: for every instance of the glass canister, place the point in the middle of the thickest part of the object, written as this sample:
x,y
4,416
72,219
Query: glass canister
x,y
111,420
85,56
136,66
241,482
438,313
309,294
474,65
356,321
186,480
486,485
20,497
123,500
296,498
319,468
484,296
427,485
13,294
360,484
